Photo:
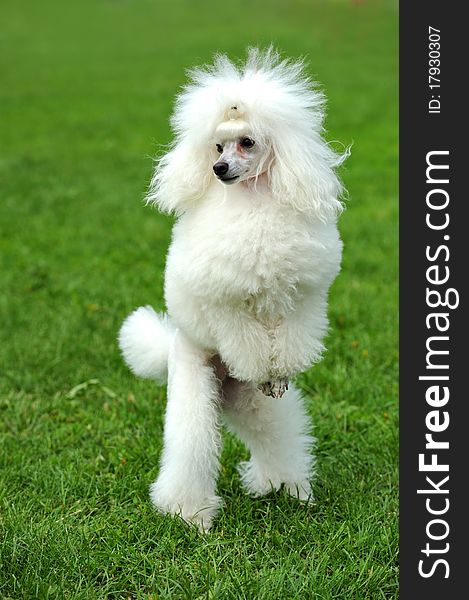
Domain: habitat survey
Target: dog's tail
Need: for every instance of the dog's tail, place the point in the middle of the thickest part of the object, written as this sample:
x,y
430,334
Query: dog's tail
x,y
144,340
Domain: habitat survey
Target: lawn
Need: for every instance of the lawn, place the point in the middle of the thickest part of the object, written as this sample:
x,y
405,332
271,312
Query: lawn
x,y
85,93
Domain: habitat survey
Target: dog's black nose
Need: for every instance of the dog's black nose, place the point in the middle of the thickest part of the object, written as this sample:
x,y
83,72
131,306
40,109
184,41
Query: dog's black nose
x,y
220,168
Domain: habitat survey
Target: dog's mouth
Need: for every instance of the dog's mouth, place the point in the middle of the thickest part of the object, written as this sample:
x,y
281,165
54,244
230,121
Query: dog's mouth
x,y
228,180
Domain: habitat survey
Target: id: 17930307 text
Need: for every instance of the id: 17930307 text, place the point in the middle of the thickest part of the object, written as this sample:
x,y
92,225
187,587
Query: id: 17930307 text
x,y
434,70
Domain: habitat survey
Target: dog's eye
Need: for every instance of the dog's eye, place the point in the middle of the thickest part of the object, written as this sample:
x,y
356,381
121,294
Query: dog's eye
x,y
219,148
247,142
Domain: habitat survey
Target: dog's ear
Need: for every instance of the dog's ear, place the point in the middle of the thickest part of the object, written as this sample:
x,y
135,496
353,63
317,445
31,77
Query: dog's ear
x,y
181,177
303,175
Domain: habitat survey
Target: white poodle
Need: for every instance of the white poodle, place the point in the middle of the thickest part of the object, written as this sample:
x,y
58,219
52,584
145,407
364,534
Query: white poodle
x,y
254,251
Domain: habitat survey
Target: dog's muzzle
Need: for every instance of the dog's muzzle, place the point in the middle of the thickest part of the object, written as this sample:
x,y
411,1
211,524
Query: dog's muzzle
x,y
221,169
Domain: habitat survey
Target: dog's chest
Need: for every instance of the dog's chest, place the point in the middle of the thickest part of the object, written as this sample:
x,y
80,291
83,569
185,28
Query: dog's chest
x,y
255,260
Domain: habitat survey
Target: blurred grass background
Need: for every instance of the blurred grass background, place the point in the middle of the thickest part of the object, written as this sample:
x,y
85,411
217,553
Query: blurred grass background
x,y
86,89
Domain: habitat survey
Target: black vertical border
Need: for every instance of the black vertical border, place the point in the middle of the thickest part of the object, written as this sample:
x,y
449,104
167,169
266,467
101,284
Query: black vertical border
x,y
421,132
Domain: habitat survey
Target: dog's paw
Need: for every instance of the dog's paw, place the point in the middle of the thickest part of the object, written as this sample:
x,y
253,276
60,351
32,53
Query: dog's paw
x,y
259,481
265,388
275,389
202,518
301,491
199,513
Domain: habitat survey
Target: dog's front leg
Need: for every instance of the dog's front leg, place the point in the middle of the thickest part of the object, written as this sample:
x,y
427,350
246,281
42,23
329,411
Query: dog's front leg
x,y
186,484
297,341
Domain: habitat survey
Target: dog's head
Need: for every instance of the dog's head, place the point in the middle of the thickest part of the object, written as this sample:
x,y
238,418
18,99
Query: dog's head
x,y
263,119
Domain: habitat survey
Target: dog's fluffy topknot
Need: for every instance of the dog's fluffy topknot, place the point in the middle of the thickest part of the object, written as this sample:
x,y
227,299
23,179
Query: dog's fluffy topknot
x,y
272,92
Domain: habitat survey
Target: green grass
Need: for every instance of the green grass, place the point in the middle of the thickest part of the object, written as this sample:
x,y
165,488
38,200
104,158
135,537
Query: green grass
x,y
86,90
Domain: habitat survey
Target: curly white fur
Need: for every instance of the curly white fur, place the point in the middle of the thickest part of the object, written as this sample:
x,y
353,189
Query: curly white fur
x,y
253,254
